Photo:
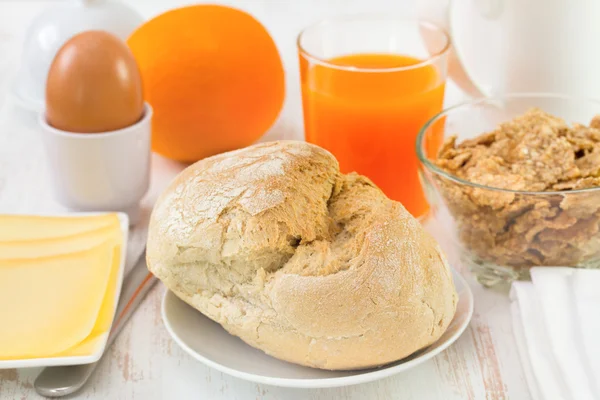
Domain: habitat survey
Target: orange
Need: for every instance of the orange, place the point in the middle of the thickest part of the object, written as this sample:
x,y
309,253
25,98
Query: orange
x,y
213,76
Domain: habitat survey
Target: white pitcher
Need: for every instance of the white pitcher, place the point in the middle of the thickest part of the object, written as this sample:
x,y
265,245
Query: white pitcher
x,y
502,46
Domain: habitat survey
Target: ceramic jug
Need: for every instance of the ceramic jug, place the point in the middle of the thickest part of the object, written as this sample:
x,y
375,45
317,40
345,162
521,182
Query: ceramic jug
x,y
508,46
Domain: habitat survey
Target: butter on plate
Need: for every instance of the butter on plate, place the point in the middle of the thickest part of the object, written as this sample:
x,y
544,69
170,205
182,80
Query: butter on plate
x,y
60,279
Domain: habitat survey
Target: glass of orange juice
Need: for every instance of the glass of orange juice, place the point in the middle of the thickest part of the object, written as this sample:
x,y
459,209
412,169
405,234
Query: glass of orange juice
x,y
368,85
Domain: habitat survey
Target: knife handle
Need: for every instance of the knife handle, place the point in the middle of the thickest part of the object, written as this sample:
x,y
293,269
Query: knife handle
x,y
138,282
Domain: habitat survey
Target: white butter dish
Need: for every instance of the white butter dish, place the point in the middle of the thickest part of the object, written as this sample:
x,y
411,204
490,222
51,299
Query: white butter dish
x,y
100,341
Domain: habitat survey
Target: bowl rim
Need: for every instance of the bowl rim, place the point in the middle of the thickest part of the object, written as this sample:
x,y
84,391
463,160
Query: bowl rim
x,y
426,162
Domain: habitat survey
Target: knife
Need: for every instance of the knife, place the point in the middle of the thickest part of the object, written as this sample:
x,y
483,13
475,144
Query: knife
x,y
61,381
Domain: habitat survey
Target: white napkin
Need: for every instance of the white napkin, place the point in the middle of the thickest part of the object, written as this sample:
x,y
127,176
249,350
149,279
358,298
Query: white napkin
x,y
556,323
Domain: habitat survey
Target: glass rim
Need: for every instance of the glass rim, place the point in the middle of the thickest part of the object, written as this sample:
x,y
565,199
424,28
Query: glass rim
x,y
372,17
425,161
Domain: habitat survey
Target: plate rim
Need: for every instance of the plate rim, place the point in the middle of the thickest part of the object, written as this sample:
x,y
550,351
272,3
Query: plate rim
x,y
95,356
316,383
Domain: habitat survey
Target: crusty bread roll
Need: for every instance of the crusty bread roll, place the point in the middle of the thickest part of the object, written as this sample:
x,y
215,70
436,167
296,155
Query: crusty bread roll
x,y
298,260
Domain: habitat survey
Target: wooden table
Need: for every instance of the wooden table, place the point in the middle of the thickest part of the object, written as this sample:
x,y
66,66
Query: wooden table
x,y
144,363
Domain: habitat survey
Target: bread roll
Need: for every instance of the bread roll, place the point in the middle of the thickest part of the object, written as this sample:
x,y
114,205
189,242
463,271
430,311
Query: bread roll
x,y
305,263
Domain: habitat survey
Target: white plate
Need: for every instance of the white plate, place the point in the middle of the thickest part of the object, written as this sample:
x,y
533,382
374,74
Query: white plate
x,y
208,342
95,356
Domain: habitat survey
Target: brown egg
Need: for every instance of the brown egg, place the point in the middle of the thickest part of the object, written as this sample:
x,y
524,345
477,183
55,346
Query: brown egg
x,y
94,85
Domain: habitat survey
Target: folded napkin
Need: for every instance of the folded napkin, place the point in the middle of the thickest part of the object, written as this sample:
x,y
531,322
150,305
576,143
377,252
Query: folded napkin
x,y
556,323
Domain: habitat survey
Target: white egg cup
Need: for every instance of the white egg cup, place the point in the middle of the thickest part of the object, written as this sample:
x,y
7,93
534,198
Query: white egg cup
x,y
107,171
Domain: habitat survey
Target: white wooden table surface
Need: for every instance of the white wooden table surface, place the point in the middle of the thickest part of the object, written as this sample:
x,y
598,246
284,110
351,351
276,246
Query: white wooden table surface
x,y
144,363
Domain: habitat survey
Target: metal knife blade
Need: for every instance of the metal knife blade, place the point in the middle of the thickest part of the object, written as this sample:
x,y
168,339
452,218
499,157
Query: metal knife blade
x,y
61,381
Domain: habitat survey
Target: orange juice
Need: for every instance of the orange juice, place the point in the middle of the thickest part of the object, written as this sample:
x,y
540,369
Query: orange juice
x,y
367,109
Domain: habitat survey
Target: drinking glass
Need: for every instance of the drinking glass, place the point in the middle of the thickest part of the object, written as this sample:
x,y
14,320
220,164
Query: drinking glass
x,y
369,83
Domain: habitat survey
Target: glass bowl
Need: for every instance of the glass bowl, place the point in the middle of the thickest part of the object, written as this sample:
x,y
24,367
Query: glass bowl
x,y
500,234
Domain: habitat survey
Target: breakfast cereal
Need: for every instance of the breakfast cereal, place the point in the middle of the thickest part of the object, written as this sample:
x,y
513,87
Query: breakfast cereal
x,y
501,221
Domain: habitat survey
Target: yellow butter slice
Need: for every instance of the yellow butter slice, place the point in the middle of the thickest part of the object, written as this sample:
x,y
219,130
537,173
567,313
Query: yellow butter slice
x,y
32,227
88,347
60,245
107,310
105,317
51,304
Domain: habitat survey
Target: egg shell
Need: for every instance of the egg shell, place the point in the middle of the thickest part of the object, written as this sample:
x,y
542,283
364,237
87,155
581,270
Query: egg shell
x,y
94,85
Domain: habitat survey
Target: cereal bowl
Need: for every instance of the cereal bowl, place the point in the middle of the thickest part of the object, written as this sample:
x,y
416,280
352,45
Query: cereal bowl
x,y
516,188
